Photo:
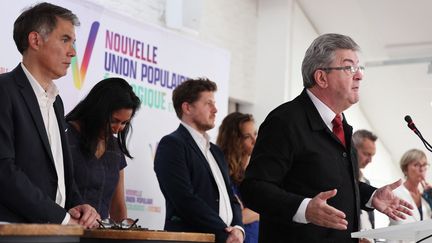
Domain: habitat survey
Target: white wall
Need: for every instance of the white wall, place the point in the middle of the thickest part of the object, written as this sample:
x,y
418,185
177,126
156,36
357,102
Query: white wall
x,y
232,25
273,52
148,11
303,33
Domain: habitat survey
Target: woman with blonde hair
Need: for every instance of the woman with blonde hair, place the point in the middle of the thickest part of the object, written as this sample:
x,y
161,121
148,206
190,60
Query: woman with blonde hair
x,y
414,166
236,138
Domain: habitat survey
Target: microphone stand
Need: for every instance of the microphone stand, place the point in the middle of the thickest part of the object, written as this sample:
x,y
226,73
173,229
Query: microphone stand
x,y
425,143
427,194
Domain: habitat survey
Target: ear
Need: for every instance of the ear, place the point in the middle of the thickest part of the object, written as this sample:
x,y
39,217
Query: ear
x,y
34,40
320,77
186,107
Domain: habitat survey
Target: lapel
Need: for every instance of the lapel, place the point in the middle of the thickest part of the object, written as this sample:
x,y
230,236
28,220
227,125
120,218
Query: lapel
x,y
59,112
316,122
221,163
32,104
348,132
191,142
415,211
314,118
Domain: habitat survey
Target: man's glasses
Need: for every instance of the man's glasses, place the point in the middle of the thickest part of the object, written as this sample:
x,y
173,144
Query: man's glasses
x,y
124,224
352,69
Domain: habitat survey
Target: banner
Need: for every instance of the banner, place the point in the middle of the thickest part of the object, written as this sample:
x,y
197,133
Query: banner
x,y
154,61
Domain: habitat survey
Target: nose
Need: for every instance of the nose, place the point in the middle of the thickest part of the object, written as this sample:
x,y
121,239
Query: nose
x,y
215,110
72,51
253,140
117,128
358,75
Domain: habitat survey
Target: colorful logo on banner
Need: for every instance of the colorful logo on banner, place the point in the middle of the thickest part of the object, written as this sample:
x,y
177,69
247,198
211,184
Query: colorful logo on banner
x,y
79,73
135,201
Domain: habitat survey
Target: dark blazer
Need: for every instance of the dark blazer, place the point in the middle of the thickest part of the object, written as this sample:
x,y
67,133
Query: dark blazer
x,y
28,179
371,215
186,181
297,156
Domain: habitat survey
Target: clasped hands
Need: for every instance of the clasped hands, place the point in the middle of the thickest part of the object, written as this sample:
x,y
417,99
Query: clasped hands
x,y
84,215
318,212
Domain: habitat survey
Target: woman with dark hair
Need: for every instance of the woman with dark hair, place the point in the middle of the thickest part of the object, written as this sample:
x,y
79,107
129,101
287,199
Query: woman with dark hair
x,y
236,138
97,132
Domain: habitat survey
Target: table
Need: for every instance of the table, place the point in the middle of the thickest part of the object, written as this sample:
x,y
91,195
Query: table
x,y
29,233
145,236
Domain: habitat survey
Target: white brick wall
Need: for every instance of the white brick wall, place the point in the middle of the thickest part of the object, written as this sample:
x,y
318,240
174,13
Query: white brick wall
x,y
233,25
148,11
228,24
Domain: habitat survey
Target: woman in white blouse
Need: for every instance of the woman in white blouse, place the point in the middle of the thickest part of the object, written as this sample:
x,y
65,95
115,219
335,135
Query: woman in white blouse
x,y
414,166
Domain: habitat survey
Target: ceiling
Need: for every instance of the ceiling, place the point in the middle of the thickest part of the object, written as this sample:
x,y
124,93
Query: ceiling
x,y
396,47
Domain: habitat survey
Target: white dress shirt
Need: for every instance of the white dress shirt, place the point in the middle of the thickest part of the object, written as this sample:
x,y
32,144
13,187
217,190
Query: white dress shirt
x,y
203,142
46,100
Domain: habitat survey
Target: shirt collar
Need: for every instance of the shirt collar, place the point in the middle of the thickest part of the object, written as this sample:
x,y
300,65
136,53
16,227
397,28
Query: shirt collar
x,y
51,91
325,112
201,139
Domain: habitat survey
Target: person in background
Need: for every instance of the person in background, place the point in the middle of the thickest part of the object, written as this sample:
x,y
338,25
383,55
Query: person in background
x,y
303,175
192,172
98,129
364,143
414,166
236,138
36,174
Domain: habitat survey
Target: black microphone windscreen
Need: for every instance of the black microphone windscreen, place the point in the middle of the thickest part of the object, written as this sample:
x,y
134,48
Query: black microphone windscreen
x,y
408,119
413,127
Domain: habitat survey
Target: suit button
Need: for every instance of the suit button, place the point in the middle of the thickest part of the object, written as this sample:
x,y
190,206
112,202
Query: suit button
x,y
344,154
217,200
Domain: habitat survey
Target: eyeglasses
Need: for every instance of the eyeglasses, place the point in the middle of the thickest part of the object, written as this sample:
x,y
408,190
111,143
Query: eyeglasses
x,y
352,69
127,223
418,165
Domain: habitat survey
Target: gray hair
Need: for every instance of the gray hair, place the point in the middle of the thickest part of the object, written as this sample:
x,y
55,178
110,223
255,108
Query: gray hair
x,y
321,53
409,157
360,135
41,18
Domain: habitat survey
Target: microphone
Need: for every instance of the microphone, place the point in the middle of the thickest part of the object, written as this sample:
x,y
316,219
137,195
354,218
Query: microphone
x,y
413,127
411,124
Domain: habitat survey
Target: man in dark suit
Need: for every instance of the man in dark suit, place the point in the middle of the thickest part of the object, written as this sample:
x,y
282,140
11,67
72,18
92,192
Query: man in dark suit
x,y
302,177
36,177
364,143
192,172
